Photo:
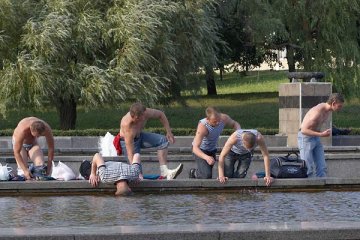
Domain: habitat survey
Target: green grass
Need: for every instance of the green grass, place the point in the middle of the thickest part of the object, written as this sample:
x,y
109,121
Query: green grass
x,y
251,100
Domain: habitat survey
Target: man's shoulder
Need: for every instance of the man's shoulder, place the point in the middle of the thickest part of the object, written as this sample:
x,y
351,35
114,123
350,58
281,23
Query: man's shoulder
x,y
125,119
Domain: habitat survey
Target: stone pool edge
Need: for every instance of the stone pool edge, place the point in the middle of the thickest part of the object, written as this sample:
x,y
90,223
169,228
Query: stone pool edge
x,y
178,185
239,231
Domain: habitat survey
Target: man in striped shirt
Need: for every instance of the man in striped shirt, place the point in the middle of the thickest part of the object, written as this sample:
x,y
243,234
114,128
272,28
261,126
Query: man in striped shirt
x,y
236,155
112,172
205,142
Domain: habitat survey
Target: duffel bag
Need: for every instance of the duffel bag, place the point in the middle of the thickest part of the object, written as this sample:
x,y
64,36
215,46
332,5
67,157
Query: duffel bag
x,y
289,166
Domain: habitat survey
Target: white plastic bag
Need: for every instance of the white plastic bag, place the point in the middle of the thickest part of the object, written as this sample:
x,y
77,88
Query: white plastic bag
x,y
106,145
62,172
5,172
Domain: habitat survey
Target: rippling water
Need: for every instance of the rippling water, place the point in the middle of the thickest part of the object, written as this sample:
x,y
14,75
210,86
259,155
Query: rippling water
x,y
194,208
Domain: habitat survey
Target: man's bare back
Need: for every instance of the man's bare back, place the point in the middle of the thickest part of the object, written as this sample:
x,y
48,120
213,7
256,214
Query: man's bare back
x,y
25,144
22,133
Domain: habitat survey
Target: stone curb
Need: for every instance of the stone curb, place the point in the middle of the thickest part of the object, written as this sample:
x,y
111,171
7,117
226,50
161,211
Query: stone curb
x,y
178,185
239,231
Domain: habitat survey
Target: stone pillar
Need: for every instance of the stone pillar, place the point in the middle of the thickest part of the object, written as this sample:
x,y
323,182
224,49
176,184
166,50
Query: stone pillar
x,y
295,99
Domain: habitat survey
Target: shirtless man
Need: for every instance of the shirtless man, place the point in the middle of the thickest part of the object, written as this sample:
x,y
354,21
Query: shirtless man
x,y
26,147
133,138
206,139
311,149
238,151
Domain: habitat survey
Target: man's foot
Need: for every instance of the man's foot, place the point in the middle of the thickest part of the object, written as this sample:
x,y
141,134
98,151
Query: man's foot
x,y
172,174
192,173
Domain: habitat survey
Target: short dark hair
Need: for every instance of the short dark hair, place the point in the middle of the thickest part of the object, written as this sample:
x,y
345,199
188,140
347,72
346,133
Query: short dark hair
x,y
335,97
85,169
249,138
137,109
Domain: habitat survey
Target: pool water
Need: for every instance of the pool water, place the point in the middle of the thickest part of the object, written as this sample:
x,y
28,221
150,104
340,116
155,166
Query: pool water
x,y
192,208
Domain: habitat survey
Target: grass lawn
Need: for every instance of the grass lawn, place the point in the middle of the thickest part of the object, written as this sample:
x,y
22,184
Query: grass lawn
x,y
251,100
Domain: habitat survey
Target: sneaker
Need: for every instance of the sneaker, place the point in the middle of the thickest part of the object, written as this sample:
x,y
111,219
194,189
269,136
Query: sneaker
x,y
192,173
172,174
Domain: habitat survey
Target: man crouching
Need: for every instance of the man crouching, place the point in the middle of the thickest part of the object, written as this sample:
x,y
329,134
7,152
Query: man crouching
x,y
112,172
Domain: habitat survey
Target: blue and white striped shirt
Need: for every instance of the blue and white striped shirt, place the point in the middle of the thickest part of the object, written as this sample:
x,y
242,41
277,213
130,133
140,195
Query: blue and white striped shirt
x,y
238,147
209,142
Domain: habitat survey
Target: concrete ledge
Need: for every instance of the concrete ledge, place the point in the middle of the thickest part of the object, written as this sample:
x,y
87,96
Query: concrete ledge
x,y
341,164
178,185
89,142
238,231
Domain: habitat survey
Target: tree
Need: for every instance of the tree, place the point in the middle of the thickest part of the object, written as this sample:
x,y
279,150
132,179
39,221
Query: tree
x,y
242,50
69,54
95,52
322,35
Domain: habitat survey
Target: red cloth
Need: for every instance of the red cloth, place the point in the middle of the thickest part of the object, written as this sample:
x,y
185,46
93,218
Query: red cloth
x,y
117,144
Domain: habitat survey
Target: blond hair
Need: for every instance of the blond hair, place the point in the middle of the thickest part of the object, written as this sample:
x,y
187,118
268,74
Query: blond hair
x,y
38,126
212,111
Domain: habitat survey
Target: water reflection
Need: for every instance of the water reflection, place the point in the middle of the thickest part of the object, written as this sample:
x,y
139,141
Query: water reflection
x,y
201,208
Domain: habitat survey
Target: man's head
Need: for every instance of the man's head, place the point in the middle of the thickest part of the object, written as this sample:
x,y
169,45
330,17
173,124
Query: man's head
x,y
249,140
37,128
336,101
85,169
137,111
213,116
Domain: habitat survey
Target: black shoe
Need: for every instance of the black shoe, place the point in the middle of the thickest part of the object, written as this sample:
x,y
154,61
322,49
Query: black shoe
x,y
192,173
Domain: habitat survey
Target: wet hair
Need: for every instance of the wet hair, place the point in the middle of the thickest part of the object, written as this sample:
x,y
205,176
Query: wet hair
x,y
250,139
38,126
137,109
85,169
335,97
212,111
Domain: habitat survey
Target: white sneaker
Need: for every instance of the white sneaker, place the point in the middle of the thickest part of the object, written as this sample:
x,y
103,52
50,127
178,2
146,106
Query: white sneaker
x,y
20,172
172,174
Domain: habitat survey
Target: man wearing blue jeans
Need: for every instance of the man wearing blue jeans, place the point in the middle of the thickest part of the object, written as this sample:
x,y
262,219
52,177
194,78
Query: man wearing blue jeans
x,y
205,142
311,149
133,138
238,150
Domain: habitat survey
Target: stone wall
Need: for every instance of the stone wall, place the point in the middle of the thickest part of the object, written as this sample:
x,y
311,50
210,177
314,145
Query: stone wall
x,y
295,100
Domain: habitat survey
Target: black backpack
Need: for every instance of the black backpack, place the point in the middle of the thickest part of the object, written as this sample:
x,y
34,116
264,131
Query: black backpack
x,y
289,166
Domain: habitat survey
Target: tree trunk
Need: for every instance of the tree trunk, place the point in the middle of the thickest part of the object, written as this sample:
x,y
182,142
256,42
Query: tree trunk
x,y
210,81
290,58
175,88
67,113
221,68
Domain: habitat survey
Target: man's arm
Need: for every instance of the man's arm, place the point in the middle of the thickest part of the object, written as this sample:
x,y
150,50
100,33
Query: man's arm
x,y
157,114
306,129
311,121
201,132
265,153
51,146
96,161
226,149
129,142
230,122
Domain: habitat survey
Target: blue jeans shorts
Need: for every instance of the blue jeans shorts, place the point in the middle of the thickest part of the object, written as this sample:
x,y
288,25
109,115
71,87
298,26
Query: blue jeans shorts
x,y
146,140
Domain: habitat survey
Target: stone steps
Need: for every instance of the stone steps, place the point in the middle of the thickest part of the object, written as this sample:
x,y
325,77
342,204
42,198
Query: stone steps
x,y
343,161
341,164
